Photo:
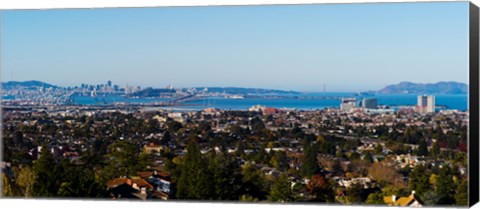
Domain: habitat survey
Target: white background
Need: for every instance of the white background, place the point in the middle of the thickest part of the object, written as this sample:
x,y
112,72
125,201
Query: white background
x,y
46,4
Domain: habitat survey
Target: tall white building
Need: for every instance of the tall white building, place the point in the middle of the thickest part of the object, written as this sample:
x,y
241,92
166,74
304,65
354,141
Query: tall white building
x,y
348,104
426,104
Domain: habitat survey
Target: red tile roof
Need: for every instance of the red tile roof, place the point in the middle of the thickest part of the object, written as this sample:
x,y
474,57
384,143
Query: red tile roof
x,y
118,181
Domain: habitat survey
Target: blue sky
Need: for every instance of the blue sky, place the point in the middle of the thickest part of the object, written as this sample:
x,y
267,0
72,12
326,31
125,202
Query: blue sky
x,y
347,47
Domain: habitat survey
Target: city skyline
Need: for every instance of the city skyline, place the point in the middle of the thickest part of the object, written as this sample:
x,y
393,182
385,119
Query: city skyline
x,y
240,46
112,84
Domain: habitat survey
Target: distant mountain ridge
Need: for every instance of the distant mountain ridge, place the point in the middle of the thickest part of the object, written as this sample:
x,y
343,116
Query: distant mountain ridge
x,y
27,84
443,87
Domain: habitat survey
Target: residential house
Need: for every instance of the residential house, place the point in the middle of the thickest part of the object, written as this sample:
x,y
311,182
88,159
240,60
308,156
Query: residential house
x,y
410,201
152,148
134,188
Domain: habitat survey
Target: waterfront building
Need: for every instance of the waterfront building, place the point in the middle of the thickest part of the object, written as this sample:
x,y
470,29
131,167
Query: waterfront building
x,y
370,103
257,108
426,104
348,104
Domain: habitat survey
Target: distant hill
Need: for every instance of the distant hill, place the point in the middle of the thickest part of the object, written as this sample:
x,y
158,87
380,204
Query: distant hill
x,y
26,84
151,92
428,88
238,90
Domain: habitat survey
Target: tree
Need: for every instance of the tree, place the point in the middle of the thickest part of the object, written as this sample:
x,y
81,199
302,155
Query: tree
x,y
445,188
261,156
166,138
65,190
378,149
173,126
79,181
461,196
18,138
279,160
355,194
121,160
247,198
25,180
320,189
195,180
226,177
253,183
419,181
257,125
433,179
297,132
435,152
46,175
422,148
367,156
411,135
309,163
320,139
385,175
282,190
8,187
375,198
327,147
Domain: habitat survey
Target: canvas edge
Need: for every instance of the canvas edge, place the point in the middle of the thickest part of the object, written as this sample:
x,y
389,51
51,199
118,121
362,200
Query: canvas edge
x,y
474,104
473,143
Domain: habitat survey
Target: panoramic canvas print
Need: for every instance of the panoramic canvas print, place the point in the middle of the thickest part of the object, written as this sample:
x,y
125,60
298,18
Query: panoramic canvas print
x,y
342,104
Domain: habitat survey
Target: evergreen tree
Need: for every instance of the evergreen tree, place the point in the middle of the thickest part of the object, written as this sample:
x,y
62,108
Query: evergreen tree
x,y
282,190
66,190
257,125
445,188
47,180
355,194
422,148
419,180
226,176
261,156
166,138
79,181
309,163
195,180
435,152
121,160
279,160
411,135
253,183
327,147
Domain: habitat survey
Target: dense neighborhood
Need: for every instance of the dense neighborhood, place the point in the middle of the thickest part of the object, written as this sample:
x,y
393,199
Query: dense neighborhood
x,y
403,158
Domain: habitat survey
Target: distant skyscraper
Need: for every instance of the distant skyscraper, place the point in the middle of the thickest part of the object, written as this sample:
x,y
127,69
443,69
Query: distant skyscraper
x,y
348,103
109,83
369,103
426,104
